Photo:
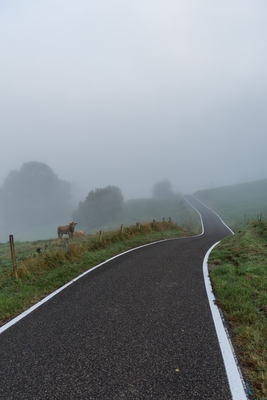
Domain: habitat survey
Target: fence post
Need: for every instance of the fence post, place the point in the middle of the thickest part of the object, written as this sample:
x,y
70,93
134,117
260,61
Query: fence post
x,y
154,223
170,220
100,236
163,219
121,230
12,248
138,225
67,245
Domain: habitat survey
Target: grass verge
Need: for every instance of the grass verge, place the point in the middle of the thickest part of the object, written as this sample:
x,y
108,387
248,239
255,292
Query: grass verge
x,y
238,271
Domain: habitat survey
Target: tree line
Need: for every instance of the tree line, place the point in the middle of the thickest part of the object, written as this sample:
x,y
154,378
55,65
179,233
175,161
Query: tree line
x,y
35,196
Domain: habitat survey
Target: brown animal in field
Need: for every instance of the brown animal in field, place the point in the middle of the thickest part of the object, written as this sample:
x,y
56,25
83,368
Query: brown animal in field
x,y
78,234
66,229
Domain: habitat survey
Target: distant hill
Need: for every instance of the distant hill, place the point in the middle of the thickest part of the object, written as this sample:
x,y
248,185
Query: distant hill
x,y
245,201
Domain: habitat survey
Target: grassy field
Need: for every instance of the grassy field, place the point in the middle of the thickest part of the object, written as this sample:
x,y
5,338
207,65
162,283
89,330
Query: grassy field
x,y
133,211
145,210
237,203
238,271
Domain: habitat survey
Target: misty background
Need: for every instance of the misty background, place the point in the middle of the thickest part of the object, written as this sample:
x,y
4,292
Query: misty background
x,y
131,93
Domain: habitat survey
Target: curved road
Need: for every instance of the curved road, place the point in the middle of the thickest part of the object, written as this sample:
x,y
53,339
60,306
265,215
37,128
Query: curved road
x,y
138,327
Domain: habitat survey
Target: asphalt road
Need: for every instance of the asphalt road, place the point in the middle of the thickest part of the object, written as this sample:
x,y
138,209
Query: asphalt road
x,y
138,327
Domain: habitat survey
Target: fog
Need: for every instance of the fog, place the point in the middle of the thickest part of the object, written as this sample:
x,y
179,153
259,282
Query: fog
x,y
129,93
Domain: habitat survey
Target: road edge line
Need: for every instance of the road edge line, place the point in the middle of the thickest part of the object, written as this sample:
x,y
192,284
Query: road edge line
x,y
234,374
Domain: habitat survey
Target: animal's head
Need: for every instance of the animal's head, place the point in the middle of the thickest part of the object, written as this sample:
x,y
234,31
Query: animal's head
x,y
72,225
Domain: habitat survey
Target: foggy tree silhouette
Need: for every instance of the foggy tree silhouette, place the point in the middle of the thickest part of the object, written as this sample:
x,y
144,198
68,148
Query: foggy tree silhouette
x,y
162,189
99,207
34,195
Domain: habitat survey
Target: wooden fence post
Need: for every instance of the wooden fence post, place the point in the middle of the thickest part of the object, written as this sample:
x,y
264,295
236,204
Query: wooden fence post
x,y
12,248
154,223
138,225
68,246
121,229
163,219
170,220
100,236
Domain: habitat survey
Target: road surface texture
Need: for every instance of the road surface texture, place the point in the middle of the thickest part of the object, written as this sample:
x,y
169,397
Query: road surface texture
x,y
138,327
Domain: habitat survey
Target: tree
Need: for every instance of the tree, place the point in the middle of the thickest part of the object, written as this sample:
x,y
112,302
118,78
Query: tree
x,y
33,196
162,189
99,207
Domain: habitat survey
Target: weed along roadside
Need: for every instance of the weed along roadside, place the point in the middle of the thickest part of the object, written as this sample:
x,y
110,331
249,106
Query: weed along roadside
x,y
44,266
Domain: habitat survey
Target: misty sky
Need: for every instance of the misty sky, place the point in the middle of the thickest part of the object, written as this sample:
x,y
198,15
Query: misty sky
x,y
129,93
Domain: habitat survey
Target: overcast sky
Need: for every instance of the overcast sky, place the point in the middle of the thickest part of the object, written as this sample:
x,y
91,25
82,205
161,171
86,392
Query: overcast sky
x,y
128,93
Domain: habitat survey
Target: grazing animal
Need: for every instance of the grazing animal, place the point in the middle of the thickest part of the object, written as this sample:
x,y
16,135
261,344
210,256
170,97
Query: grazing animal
x,y
66,229
78,234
